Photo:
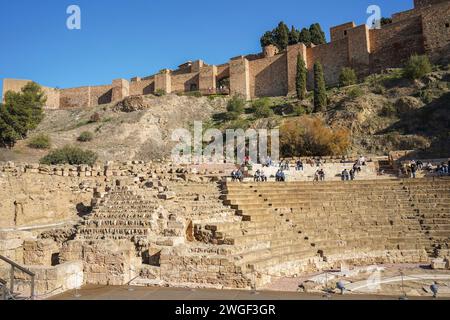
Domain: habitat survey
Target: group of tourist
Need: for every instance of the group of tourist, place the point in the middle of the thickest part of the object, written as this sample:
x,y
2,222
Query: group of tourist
x,y
260,176
411,169
319,175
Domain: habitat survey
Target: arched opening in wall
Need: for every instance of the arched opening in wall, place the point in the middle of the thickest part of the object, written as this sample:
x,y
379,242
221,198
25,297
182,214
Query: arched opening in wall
x,y
193,87
447,25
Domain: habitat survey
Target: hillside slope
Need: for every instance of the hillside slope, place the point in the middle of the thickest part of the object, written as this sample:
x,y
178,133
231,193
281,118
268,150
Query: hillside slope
x,y
140,128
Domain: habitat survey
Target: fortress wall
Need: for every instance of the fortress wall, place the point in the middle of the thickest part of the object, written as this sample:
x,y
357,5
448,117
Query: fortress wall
x,y
333,56
53,97
223,71
100,95
268,76
183,82
84,97
395,43
16,85
240,77
425,3
359,49
142,87
75,98
436,30
340,32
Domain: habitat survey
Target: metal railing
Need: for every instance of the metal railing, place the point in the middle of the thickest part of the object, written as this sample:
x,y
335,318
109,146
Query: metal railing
x,y
15,266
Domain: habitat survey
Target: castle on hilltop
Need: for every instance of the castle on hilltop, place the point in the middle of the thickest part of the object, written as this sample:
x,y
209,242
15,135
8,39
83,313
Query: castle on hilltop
x,y
422,30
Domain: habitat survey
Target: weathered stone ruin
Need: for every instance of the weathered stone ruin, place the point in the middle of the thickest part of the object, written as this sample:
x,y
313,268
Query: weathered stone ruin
x,y
159,224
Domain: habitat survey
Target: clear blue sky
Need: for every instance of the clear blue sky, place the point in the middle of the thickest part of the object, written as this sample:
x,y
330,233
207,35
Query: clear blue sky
x,y
126,38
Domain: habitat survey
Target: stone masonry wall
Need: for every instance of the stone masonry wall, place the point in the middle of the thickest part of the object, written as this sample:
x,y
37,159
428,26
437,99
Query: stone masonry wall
x,y
268,76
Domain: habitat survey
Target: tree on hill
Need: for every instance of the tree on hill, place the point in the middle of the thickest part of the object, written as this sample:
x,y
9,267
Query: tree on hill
x,y
282,36
305,37
320,92
317,34
294,36
21,112
267,39
300,80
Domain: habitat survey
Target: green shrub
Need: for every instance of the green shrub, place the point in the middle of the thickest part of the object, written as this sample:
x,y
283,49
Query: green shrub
x,y
417,67
261,108
160,92
41,141
85,136
235,108
300,110
426,96
347,77
70,155
354,93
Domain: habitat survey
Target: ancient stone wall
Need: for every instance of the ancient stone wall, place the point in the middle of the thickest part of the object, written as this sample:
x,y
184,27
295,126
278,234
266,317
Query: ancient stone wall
x,y
141,86
424,3
436,31
185,82
15,85
85,97
395,43
333,56
268,76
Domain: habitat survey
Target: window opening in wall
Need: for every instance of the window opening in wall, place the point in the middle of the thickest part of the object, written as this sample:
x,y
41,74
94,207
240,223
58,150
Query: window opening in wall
x,y
345,32
447,25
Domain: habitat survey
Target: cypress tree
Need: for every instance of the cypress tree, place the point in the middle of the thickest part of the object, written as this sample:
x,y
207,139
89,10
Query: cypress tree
x,y
294,36
282,36
317,34
320,92
300,80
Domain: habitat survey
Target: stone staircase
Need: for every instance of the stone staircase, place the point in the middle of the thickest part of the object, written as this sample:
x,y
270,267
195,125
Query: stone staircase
x,y
287,228
120,214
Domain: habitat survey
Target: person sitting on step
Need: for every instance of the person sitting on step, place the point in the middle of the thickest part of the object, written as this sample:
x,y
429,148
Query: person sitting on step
x,y
413,170
234,175
299,166
257,176
263,176
357,166
345,176
279,176
321,175
352,174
